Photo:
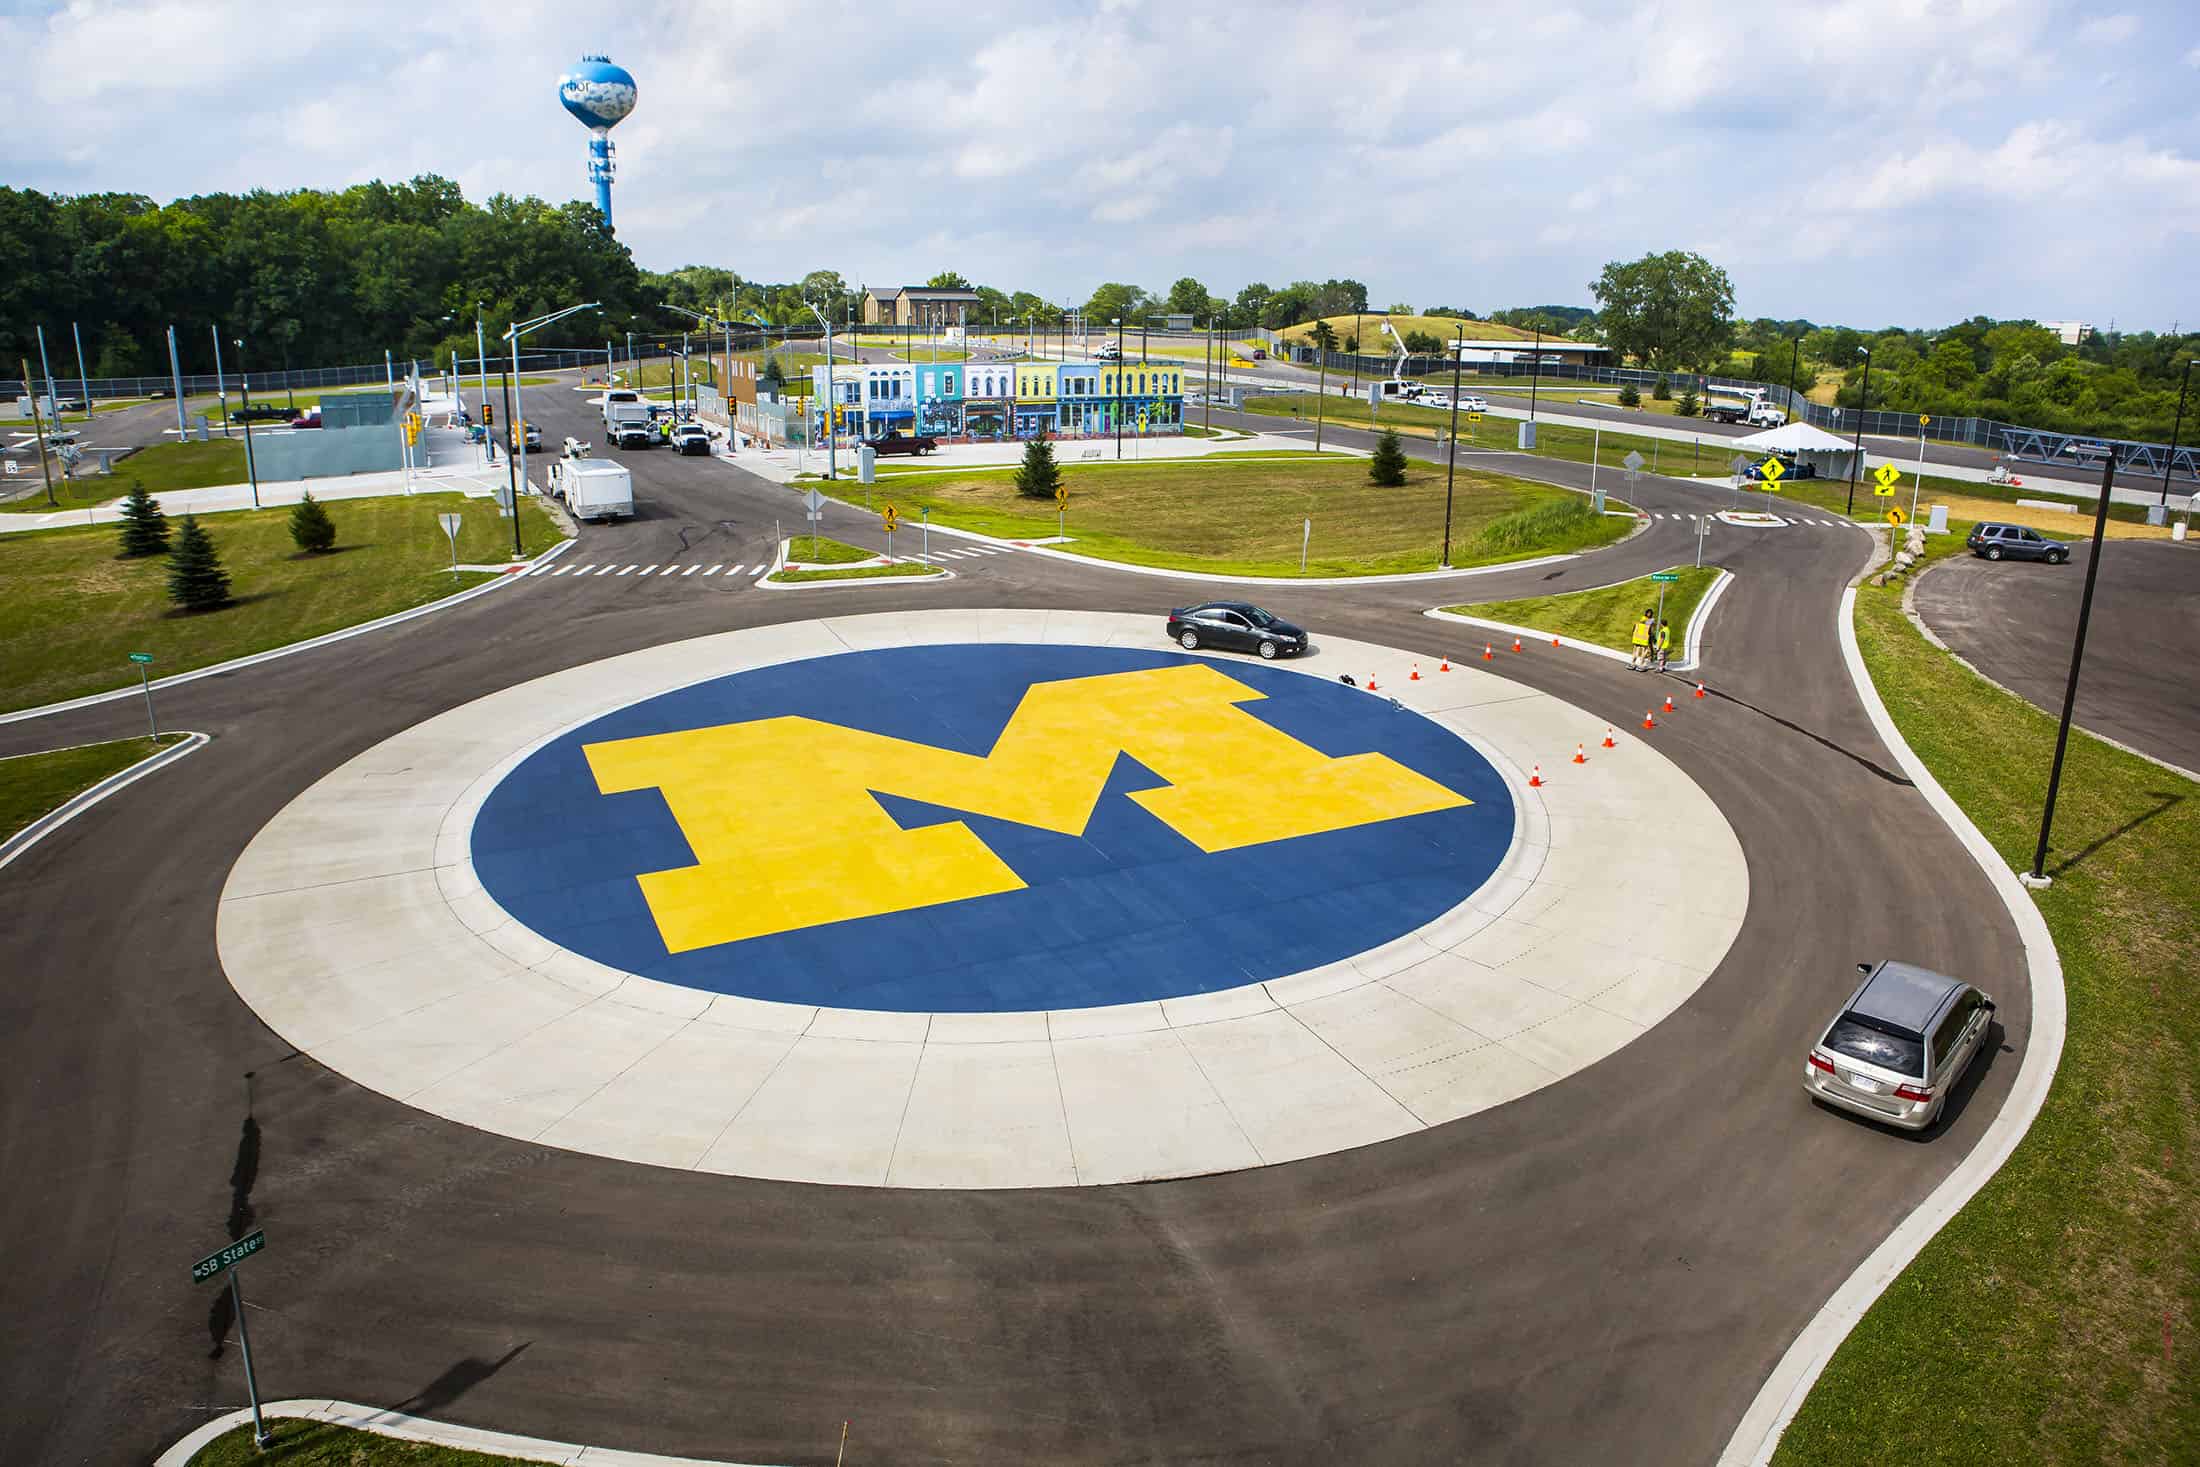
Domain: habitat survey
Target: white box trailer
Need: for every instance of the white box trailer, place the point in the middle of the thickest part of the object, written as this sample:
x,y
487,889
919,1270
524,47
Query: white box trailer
x,y
593,488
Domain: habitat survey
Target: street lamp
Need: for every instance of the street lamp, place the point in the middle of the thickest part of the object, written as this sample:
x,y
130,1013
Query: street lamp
x,y
1856,454
832,405
1451,466
2167,463
251,470
516,461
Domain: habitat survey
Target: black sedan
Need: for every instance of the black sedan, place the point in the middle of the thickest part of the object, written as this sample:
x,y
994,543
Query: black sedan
x,y
1236,626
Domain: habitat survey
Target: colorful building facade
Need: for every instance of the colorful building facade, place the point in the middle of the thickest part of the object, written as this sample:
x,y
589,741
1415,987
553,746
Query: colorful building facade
x,y
981,401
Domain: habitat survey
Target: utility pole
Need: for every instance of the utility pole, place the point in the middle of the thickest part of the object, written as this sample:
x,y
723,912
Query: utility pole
x,y
251,469
38,430
1856,454
2174,433
1451,464
221,388
175,372
83,379
2037,876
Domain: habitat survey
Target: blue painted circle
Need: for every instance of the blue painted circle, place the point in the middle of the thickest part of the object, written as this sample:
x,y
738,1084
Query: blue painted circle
x,y
1127,911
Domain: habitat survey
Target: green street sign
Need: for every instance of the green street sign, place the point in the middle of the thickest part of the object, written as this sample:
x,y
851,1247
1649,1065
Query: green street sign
x,y
228,1258
141,657
1666,576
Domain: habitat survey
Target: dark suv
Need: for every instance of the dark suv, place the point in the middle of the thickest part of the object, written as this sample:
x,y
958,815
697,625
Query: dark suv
x,y
2015,542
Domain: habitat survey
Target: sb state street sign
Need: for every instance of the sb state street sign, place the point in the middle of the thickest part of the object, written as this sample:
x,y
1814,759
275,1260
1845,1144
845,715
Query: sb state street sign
x,y
996,826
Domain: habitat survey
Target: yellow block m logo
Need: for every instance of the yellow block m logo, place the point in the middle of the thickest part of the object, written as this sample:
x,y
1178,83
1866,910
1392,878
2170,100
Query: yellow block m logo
x,y
786,835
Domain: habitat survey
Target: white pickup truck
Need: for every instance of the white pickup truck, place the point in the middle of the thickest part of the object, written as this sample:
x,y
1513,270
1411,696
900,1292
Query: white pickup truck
x,y
593,488
622,406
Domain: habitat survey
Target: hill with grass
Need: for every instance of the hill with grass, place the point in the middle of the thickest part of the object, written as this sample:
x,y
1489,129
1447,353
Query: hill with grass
x,y
1373,343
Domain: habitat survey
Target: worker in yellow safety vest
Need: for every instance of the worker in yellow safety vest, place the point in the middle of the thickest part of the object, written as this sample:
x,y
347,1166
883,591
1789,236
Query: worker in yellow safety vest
x,y
1640,660
1665,643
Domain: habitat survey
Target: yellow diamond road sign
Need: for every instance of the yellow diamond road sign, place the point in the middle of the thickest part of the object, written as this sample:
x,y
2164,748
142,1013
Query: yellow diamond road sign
x,y
1895,516
1771,470
1061,495
891,517
1886,474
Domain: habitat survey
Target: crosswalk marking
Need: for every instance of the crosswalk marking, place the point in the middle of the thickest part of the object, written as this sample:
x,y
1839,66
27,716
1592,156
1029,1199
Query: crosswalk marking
x,y
607,568
713,570
649,572
691,570
668,570
627,571
758,571
734,570
561,570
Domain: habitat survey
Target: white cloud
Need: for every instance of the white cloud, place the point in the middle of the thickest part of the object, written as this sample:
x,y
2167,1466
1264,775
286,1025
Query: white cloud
x,y
1868,159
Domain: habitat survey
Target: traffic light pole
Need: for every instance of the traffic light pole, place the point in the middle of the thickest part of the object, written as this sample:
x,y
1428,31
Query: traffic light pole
x,y
511,459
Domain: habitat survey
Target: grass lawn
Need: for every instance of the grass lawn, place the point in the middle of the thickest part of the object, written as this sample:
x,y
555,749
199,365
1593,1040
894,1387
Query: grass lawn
x,y
161,468
1243,515
856,573
73,611
318,1444
1605,616
32,785
2053,1321
817,550
305,397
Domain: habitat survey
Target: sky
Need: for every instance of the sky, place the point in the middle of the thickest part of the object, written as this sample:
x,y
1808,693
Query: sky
x,y
1867,162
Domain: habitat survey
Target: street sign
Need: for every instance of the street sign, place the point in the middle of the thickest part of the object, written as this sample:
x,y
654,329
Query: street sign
x,y
450,523
1633,460
890,517
228,1258
1922,420
1474,417
141,657
1887,475
1895,516
813,501
1061,495
1771,470
1666,576
1736,465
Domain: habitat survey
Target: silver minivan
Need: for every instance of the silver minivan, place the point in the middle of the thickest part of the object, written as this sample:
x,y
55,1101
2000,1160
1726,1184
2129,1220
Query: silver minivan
x,y
1899,1045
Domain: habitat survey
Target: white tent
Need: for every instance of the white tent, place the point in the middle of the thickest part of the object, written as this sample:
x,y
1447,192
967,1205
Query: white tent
x,y
1827,454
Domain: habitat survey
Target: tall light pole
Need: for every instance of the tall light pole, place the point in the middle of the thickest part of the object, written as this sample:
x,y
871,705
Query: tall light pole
x,y
2167,463
1117,323
832,404
1856,454
1795,367
83,379
251,470
2037,876
221,387
1451,466
515,412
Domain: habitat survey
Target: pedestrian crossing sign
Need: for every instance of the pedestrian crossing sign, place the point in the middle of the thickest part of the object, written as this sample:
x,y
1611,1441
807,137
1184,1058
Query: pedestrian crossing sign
x,y
1886,474
1771,470
890,517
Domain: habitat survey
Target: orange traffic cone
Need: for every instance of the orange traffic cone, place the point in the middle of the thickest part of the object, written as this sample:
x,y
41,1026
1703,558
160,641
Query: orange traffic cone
x,y
1650,719
1444,666
1669,702
1554,639
1608,737
1487,654
1699,690
1371,684
1516,644
1580,757
1535,779
1416,674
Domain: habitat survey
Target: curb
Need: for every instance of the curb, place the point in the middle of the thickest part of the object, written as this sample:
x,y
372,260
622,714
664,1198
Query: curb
x,y
46,824
420,1429
1691,649
511,574
1758,1434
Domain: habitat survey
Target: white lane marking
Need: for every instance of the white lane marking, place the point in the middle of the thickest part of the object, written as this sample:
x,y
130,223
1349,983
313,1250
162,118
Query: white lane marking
x,y
607,567
650,572
691,570
668,570
767,565
629,570
734,570
561,570
714,569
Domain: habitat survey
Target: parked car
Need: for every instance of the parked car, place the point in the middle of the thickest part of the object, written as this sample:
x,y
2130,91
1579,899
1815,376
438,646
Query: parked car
x,y
1474,403
1790,468
1235,626
1107,351
904,443
2014,542
310,418
691,438
1899,1045
1259,354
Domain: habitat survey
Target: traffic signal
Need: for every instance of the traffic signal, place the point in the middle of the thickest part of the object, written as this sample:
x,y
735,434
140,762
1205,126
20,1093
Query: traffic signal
x,y
488,413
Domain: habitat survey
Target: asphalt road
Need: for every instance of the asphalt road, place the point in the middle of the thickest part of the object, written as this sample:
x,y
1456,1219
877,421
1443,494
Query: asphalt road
x,y
1601,1271
2016,622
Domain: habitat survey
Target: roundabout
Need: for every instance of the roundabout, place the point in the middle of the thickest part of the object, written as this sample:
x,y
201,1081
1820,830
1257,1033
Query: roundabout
x,y
980,899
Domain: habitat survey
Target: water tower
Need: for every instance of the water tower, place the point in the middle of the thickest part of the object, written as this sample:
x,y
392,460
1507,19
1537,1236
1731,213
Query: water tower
x,y
600,95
